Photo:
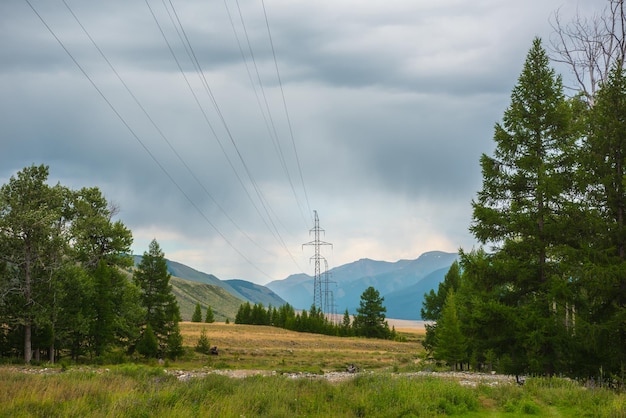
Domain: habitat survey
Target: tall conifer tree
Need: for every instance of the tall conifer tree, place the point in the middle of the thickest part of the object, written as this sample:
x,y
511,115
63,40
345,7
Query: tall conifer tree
x,y
450,344
210,316
601,306
197,314
370,318
162,312
522,207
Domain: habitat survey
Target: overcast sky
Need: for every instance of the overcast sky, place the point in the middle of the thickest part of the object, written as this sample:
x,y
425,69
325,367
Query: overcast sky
x,y
387,109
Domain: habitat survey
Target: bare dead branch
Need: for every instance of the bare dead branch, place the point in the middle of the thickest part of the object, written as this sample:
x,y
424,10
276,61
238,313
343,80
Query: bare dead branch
x,y
590,47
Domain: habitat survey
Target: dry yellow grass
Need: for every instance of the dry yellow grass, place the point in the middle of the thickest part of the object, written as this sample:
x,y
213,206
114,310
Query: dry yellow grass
x,y
251,346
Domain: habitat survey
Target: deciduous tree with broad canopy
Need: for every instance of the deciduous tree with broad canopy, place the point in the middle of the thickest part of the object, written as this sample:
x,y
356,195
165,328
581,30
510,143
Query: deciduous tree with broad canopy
x,y
61,286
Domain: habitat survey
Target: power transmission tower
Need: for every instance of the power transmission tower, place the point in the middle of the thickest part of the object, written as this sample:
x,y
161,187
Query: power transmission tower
x,y
318,296
329,297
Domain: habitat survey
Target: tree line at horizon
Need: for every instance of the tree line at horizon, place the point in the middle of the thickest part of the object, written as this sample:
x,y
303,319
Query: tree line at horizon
x,y
548,294
66,283
368,322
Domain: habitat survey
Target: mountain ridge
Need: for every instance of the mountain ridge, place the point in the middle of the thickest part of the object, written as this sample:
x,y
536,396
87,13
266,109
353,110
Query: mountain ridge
x,y
351,279
401,283
191,286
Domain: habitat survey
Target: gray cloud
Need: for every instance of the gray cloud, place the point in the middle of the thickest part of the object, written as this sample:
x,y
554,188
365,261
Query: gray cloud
x,y
390,105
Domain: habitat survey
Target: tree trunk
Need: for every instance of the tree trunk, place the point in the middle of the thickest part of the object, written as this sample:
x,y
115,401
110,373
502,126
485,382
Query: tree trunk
x,y
28,351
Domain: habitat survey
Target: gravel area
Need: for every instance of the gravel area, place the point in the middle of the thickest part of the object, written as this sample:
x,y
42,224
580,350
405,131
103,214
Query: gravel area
x,y
464,378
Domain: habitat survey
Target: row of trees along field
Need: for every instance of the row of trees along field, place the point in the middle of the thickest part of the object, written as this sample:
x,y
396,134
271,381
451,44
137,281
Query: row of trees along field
x,y
65,277
549,295
369,320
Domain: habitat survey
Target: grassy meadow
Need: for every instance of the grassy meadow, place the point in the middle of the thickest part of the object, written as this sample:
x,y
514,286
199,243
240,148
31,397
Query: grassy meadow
x,y
270,348
387,387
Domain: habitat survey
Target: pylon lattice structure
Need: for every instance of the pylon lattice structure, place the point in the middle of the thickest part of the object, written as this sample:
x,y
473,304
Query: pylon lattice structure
x,y
328,296
320,299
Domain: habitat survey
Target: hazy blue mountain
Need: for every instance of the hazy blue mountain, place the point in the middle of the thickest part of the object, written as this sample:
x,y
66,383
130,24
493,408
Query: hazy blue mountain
x,y
347,282
402,284
406,303
363,268
256,293
299,287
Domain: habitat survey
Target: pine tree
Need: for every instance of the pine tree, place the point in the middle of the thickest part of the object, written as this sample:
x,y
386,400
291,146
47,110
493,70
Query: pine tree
x,y
601,308
523,209
210,317
450,343
203,346
197,314
370,318
345,324
148,345
162,312
102,327
433,303
175,346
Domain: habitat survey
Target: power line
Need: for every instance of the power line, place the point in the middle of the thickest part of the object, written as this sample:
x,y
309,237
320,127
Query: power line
x,y
280,83
158,129
272,132
190,51
143,145
206,118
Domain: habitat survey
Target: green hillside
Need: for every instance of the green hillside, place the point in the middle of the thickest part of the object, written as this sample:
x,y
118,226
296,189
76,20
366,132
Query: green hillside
x,y
255,293
189,293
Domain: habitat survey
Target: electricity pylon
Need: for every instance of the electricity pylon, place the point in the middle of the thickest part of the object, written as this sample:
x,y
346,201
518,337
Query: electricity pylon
x,y
318,296
328,296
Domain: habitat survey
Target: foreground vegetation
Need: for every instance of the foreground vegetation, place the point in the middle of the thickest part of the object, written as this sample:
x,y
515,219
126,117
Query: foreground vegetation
x,y
132,390
388,384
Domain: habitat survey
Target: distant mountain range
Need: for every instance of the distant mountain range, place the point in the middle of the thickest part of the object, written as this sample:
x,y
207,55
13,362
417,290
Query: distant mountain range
x,y
402,284
191,286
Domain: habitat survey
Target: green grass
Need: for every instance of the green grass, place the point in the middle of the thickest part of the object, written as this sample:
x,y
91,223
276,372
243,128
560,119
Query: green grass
x,y
147,390
144,391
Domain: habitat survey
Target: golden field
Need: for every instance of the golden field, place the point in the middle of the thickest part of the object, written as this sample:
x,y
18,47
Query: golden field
x,y
263,347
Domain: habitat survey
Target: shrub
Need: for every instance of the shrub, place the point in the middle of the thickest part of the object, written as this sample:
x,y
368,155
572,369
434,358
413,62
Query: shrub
x,y
203,346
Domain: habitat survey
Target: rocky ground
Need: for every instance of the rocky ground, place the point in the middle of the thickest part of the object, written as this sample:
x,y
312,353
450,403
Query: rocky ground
x,y
464,378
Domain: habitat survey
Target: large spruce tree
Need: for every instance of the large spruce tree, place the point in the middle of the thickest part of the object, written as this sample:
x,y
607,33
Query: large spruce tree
x,y
197,313
162,312
450,344
432,305
370,318
600,277
522,209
